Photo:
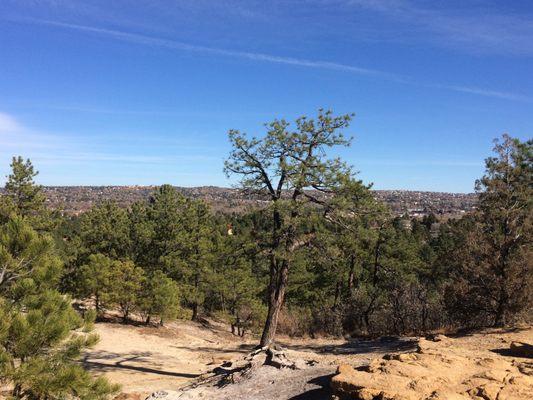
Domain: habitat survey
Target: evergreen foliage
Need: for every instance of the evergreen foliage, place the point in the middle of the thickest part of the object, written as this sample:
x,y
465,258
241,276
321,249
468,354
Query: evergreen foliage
x,y
493,278
41,335
21,189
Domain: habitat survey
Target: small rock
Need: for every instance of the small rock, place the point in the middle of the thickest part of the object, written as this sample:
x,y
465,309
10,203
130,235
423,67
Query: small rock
x,y
128,396
164,395
436,338
403,357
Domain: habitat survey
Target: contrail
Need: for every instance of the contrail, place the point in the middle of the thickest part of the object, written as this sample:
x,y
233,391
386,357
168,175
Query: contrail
x,y
262,57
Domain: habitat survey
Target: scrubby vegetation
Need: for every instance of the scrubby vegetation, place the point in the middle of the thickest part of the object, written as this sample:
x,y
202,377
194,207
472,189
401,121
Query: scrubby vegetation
x,y
321,257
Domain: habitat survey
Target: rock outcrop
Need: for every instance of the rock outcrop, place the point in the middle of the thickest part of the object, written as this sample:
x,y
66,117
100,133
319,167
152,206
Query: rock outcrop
x,y
440,370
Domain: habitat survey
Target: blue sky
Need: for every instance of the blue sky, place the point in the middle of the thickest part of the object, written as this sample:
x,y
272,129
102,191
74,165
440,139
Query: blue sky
x,y
144,92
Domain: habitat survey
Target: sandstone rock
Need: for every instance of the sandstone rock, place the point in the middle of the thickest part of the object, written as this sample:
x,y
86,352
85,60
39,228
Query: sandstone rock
x,y
437,371
489,391
349,383
518,388
447,395
403,357
525,367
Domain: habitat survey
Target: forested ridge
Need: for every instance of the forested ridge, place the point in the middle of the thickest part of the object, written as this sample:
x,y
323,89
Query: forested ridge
x,y
336,264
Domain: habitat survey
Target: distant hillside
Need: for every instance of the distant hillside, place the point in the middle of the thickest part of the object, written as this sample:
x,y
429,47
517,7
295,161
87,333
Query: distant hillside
x,y
77,199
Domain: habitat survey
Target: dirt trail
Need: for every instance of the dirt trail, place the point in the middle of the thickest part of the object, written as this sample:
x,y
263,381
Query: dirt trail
x,y
144,359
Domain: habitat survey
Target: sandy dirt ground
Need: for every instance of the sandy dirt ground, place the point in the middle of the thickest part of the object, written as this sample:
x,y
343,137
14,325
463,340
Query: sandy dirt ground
x,y
147,359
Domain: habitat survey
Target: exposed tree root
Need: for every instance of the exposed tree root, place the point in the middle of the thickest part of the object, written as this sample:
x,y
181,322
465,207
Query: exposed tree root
x,y
235,371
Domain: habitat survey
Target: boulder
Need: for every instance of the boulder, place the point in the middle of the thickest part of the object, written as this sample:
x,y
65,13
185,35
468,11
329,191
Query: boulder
x,y
359,385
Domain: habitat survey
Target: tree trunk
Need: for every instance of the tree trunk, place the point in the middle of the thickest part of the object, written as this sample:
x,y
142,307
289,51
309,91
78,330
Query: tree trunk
x,y
338,288
278,284
194,311
351,275
377,253
501,311
98,305
503,297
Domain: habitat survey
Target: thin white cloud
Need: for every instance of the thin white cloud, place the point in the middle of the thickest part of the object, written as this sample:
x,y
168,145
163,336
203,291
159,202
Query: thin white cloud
x,y
478,29
45,148
488,93
16,136
320,64
89,157
177,45
421,163
8,124
478,91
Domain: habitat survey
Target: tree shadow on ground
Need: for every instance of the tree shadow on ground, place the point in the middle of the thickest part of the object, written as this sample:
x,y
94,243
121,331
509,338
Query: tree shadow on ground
x,y
359,346
120,364
526,352
465,332
320,393
242,348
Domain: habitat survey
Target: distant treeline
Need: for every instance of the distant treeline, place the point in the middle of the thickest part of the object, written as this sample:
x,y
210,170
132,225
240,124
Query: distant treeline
x,y
74,200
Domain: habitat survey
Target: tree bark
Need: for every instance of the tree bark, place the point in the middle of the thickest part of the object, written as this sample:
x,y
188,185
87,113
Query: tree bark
x,y
194,311
503,297
377,253
351,275
338,288
501,311
277,287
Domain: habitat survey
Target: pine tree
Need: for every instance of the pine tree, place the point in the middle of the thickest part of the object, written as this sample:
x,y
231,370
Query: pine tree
x,y
283,166
197,252
234,284
95,280
126,281
28,262
491,258
41,335
505,204
21,188
159,297
105,229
